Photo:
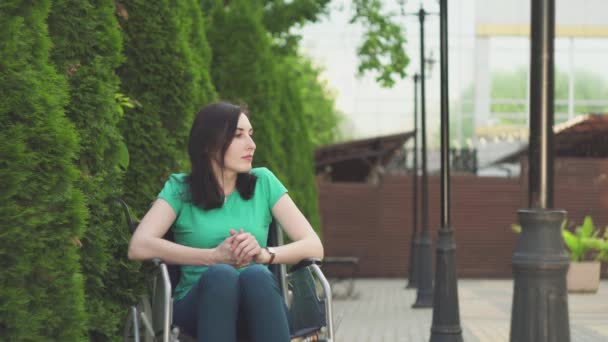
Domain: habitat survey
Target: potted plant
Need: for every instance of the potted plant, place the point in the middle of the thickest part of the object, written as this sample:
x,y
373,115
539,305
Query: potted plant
x,y
585,242
586,248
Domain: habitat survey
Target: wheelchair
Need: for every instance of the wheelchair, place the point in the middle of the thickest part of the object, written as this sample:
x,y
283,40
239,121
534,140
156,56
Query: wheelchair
x,y
305,290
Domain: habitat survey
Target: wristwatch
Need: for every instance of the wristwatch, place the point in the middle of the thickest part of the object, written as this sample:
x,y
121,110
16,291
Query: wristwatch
x,y
272,253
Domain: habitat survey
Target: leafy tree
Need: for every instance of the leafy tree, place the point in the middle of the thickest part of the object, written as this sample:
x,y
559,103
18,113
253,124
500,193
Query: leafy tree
x,y
318,104
383,48
296,139
42,212
384,42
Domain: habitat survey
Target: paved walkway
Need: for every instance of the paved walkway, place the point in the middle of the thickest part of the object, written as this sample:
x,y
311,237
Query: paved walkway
x,y
382,313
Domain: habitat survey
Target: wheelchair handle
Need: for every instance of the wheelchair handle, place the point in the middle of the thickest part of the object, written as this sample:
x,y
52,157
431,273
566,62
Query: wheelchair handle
x,y
132,225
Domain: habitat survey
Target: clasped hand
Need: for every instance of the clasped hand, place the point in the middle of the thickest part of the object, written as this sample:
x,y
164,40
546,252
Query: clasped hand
x,y
239,249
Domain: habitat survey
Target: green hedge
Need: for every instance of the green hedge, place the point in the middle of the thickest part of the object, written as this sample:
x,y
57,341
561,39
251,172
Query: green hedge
x,y
243,70
42,214
163,74
87,48
296,142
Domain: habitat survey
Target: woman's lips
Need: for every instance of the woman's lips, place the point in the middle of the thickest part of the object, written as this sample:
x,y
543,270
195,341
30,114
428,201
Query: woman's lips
x,y
250,158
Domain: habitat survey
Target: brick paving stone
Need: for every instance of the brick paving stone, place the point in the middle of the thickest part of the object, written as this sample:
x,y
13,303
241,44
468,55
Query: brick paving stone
x,y
382,313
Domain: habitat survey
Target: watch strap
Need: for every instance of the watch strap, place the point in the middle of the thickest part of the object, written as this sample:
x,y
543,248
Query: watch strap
x,y
272,255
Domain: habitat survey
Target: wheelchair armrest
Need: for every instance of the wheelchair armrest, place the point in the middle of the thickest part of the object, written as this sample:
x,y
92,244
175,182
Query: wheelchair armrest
x,y
156,261
305,263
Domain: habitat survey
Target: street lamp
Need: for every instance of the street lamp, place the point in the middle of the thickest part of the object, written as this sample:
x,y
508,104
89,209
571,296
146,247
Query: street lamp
x,y
412,277
446,316
424,293
540,262
415,240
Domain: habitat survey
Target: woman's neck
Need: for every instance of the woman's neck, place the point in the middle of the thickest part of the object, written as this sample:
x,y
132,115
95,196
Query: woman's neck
x,y
226,179
228,183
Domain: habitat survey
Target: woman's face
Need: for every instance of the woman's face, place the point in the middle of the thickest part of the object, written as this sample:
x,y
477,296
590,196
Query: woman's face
x,y
239,156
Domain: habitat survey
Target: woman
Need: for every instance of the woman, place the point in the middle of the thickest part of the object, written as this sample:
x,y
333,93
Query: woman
x,y
219,214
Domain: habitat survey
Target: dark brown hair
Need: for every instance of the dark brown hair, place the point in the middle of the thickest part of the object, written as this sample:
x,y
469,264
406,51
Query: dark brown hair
x,y
212,132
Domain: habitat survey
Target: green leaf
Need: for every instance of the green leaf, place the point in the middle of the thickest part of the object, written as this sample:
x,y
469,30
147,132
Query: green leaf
x,y
574,245
587,229
516,228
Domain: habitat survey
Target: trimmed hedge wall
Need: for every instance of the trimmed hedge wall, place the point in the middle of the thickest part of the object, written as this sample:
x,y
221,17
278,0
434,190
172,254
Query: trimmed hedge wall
x,y
87,48
162,74
42,213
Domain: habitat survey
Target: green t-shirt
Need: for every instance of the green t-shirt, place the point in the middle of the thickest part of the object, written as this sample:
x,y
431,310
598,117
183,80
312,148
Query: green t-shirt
x,y
199,228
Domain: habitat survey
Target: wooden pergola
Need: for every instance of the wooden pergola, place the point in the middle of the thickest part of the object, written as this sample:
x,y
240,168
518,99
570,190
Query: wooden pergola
x,y
354,161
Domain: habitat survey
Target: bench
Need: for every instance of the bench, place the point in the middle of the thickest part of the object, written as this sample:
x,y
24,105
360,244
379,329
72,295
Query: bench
x,y
349,262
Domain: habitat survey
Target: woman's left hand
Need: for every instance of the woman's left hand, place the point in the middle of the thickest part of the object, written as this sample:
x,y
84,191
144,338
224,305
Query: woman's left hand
x,y
245,247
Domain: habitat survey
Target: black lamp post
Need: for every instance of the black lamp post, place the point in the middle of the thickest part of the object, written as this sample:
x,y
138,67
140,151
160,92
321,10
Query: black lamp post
x,y
412,277
540,299
446,315
424,294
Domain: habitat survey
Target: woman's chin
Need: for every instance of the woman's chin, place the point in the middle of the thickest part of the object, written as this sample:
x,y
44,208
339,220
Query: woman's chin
x,y
245,168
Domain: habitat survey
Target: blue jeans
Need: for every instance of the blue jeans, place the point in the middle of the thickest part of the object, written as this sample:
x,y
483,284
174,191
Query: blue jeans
x,y
225,304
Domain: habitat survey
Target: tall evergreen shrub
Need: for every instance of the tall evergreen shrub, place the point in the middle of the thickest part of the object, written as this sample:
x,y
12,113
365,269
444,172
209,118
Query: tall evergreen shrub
x,y
161,73
42,213
243,69
87,48
296,140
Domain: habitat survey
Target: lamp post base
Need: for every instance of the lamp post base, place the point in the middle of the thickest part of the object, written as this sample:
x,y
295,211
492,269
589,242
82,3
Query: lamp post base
x,y
412,280
446,312
540,263
424,295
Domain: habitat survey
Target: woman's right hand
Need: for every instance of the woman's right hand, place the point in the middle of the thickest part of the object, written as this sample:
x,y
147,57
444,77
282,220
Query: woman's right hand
x,y
223,252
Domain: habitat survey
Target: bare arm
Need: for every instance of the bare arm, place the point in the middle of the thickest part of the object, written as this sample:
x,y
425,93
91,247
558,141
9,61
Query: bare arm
x,y
147,242
306,243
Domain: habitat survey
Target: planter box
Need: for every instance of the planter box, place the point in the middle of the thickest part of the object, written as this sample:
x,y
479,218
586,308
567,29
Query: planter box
x,y
583,277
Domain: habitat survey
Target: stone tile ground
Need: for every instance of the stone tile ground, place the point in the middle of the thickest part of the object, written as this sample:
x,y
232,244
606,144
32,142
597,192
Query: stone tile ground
x,y
382,313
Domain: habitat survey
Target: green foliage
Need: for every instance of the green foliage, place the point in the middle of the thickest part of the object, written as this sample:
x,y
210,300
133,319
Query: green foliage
x,y
166,72
193,27
290,108
88,49
282,15
383,48
77,132
296,141
42,213
318,106
244,70
601,245
586,239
